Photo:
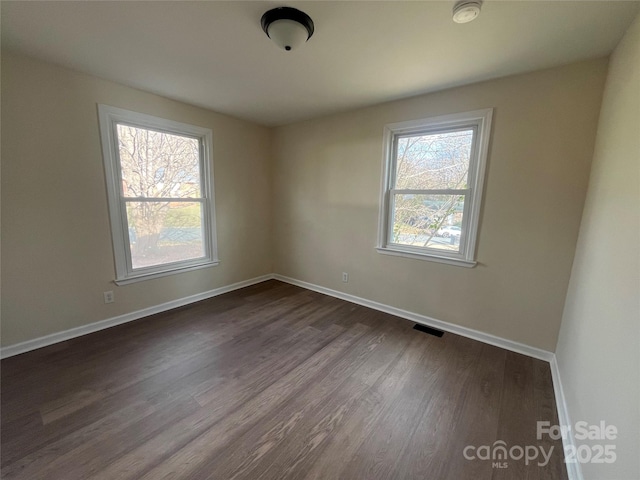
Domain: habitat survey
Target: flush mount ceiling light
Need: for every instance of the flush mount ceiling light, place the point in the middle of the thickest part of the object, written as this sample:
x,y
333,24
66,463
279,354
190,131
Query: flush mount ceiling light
x,y
287,27
465,11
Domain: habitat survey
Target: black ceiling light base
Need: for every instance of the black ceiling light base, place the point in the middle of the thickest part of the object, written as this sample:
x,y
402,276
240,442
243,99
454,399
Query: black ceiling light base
x,y
287,13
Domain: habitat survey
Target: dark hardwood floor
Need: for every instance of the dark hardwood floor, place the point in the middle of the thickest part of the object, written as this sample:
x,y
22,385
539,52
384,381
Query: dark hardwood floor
x,y
272,382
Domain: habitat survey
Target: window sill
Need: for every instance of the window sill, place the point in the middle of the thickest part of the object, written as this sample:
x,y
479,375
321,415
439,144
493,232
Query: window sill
x,y
164,273
426,256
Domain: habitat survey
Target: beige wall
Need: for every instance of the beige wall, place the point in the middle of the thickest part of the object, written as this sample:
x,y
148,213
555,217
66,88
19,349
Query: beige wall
x,y
57,256
598,350
326,192
56,247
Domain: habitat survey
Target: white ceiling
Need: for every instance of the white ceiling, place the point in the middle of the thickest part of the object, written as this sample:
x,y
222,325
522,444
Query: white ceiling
x,y
215,55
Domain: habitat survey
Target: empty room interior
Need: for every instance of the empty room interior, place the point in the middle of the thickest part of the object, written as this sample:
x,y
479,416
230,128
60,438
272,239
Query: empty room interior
x,y
350,240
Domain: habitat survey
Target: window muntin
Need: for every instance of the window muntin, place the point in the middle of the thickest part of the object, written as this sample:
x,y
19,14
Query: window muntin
x,y
160,197
432,186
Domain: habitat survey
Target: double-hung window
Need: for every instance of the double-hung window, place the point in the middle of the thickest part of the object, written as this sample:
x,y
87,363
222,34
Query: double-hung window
x,y
159,186
433,175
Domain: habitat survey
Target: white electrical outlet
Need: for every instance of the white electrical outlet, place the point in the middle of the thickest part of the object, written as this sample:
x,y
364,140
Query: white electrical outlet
x,y
108,297
345,277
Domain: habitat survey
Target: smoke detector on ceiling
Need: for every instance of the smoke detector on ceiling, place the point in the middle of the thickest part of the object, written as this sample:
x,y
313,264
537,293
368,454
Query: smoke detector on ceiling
x,y
465,11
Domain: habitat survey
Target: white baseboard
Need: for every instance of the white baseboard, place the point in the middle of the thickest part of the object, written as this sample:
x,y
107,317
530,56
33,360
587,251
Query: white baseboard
x,y
414,317
573,469
40,342
425,320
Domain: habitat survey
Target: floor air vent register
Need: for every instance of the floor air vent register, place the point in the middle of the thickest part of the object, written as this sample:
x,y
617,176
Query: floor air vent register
x,y
429,330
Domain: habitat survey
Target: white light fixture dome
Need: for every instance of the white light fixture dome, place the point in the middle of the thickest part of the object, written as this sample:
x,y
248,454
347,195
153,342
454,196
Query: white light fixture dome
x,y
287,27
465,11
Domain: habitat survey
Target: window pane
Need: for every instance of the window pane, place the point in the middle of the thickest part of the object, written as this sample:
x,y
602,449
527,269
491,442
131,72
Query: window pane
x,y
435,161
432,221
158,164
164,232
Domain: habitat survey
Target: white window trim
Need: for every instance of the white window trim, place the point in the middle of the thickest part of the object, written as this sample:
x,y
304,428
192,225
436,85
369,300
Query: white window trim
x,y
109,117
481,121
